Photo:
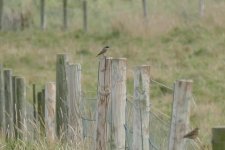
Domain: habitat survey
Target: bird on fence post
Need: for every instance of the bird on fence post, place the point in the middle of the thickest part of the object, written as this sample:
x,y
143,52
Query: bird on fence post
x,y
192,134
103,51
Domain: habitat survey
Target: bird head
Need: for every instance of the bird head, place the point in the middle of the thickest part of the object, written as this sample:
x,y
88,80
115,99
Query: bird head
x,y
196,128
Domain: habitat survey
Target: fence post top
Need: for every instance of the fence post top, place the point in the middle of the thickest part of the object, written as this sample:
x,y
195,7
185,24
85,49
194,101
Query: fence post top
x,y
7,69
19,77
218,128
62,54
142,67
118,59
51,82
185,80
72,64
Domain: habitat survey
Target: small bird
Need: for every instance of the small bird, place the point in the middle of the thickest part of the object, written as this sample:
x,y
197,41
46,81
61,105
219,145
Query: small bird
x,y
192,134
104,50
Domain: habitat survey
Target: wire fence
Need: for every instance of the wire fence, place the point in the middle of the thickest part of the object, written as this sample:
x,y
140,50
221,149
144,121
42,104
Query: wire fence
x,y
159,123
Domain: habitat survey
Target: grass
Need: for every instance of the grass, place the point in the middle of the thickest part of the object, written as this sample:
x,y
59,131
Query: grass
x,y
175,46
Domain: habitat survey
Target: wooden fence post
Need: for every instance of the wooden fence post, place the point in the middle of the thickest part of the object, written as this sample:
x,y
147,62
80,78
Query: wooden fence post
x,y
1,12
118,99
85,16
104,90
35,115
41,112
218,138
61,97
201,7
34,103
50,102
14,106
144,5
21,109
42,14
8,103
65,14
2,100
180,114
74,100
141,108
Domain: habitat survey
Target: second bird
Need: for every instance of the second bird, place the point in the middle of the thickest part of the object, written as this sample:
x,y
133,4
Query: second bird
x,y
103,51
192,134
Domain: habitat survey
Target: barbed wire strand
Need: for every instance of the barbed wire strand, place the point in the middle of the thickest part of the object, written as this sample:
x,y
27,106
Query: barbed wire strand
x,y
161,84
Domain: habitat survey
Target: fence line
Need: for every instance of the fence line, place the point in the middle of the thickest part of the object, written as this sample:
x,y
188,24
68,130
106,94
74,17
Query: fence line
x,y
120,121
87,11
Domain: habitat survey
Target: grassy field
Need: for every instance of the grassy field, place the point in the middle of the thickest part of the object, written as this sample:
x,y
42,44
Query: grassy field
x,y
176,45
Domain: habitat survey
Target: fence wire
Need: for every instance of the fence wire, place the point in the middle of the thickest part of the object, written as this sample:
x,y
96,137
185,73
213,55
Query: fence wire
x,y
159,125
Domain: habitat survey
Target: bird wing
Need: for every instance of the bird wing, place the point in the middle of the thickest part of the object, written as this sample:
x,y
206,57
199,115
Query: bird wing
x,y
102,51
191,133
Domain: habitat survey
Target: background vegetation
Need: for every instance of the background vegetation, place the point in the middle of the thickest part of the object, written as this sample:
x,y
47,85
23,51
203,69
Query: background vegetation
x,y
176,42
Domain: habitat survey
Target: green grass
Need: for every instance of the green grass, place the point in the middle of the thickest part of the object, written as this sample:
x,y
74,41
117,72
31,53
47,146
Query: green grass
x,y
176,47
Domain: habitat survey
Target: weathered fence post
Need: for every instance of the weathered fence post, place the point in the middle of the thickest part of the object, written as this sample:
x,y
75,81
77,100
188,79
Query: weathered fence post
x,y
118,98
104,90
34,103
144,5
61,97
201,7
74,100
21,109
41,112
180,114
65,14
35,118
50,101
42,14
1,12
2,100
8,103
14,106
218,138
141,108
85,15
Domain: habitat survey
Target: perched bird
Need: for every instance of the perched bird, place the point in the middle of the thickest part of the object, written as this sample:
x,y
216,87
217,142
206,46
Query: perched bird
x,y
104,50
192,134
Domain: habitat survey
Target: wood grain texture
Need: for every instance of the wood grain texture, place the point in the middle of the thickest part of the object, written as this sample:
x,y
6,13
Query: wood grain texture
x,y
8,103
21,107
118,98
104,90
14,105
74,100
50,113
180,114
2,100
61,97
141,108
